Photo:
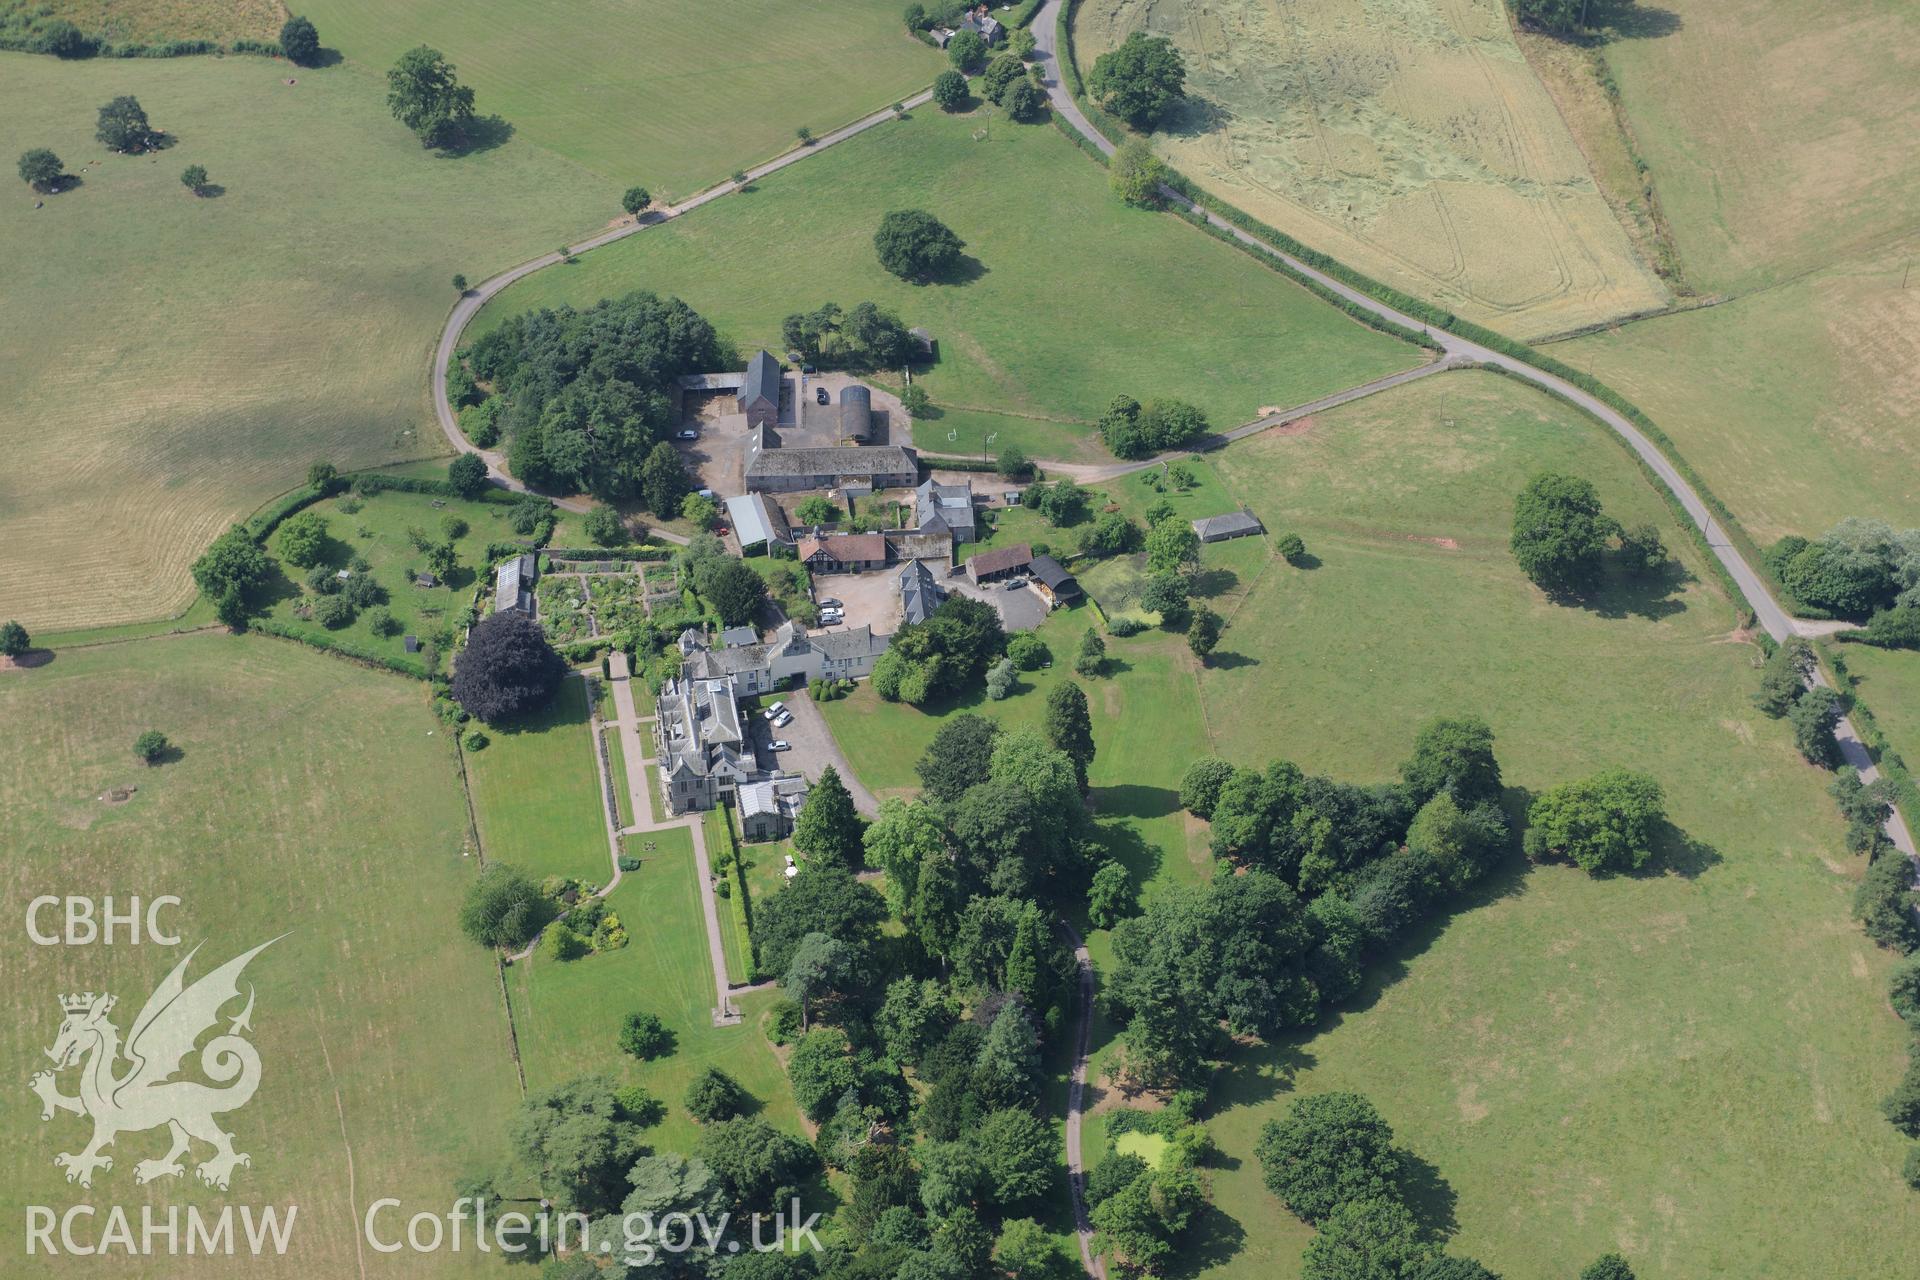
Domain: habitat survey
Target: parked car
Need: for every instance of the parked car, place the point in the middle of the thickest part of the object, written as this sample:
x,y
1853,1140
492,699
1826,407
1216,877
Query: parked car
x,y
832,618
705,493
820,396
780,744
774,710
689,434
830,603
782,720
1014,584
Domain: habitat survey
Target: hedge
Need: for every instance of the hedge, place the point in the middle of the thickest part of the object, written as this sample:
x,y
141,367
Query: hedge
x,y
134,49
650,554
947,462
345,648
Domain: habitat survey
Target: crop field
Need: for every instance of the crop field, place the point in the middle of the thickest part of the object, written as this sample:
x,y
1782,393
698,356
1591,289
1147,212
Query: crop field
x,y
1796,403
1408,138
1048,329
156,21
172,362
568,1013
671,94
536,792
1780,136
382,1035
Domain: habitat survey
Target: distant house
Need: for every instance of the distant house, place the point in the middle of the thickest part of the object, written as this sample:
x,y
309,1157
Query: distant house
x,y
946,506
425,579
985,25
1000,563
768,809
513,585
758,521
848,653
1235,524
843,553
1055,585
856,413
777,470
760,392
920,592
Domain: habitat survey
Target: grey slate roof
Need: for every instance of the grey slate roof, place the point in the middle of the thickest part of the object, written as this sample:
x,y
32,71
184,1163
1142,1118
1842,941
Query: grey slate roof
x,y
920,594
834,461
762,380
1235,524
853,642
945,505
1054,574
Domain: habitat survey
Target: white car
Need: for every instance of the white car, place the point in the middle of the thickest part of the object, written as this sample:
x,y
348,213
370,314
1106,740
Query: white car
x,y
774,710
831,617
782,720
689,435
780,744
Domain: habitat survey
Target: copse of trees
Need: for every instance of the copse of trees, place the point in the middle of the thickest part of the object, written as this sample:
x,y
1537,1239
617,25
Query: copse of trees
x,y
867,337
1132,430
507,669
1002,71
916,246
589,394
1141,81
940,657
1604,824
300,41
1859,568
425,96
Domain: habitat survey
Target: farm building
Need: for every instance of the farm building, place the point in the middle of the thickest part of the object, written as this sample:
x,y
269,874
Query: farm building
x,y
513,585
771,469
1055,585
856,414
919,544
757,521
843,553
760,391
1235,524
945,506
1000,563
920,592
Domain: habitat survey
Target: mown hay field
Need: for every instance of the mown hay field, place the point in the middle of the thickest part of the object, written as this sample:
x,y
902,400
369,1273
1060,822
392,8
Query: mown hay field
x,y
311,798
156,21
1408,138
1068,298
671,94
171,361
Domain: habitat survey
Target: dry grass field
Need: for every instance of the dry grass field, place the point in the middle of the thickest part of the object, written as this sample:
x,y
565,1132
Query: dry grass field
x,y
1408,138
154,21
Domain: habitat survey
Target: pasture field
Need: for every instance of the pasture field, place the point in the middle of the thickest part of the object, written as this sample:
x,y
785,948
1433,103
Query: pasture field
x,y
1796,402
1888,682
381,1032
1073,298
671,94
1780,137
536,792
155,21
568,1013
173,362
1407,138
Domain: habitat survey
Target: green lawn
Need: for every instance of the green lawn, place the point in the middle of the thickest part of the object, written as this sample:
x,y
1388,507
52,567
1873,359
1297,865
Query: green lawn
x,y
568,1013
377,532
1888,682
733,908
671,94
209,349
617,766
1073,299
536,791
311,798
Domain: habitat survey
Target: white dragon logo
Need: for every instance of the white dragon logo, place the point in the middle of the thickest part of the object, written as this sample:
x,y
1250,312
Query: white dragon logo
x,y
145,1095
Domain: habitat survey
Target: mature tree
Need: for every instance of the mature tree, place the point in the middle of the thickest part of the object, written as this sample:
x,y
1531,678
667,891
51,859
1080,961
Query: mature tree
x,y
604,525
950,90
821,899
1814,718
1329,1150
636,200
1172,546
1140,81
1069,727
1884,902
1203,632
1453,754
1291,548
1456,845
759,1166
41,169
1109,895
1000,74
734,590
468,475
1112,534
151,746
1442,1267
1166,594
966,51
820,966
576,1142
300,41
503,908
1371,1239
1608,1266
821,1069
1000,680
1027,1251
508,668
303,539
663,480
1165,979
715,1095
1902,1106
231,571
1560,534
1603,824
1018,1151
1024,100
645,1036
424,96
1903,988
950,1176
1560,17
960,756
938,898
1090,659
817,510
667,1191
913,1018
1642,552
898,842
14,640
1009,1072
123,126
1142,1220
916,246
1200,788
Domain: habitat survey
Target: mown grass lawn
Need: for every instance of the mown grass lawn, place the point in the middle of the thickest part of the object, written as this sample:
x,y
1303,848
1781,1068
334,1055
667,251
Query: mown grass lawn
x,y
311,798
1071,299
191,356
536,792
569,1013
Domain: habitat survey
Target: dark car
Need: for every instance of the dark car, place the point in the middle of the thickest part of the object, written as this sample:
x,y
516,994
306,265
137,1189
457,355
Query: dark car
x,y
820,396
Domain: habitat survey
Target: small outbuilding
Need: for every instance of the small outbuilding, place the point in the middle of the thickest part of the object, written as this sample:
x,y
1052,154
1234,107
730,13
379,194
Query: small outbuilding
x,y
513,584
1055,585
1235,524
1002,562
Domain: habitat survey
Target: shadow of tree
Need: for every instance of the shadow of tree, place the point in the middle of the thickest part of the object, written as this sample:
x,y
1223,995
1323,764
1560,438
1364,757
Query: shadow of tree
x,y
1214,1239
484,133
209,191
1222,660
1209,584
1647,595
1624,20
33,659
1194,117
1677,852
1431,1197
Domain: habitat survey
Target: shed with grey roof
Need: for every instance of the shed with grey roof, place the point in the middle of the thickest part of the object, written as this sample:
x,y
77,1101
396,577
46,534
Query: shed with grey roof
x,y
856,413
1235,524
886,466
760,391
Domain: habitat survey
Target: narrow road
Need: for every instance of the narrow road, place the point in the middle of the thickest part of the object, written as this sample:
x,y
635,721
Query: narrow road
x,y
1076,1108
473,299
